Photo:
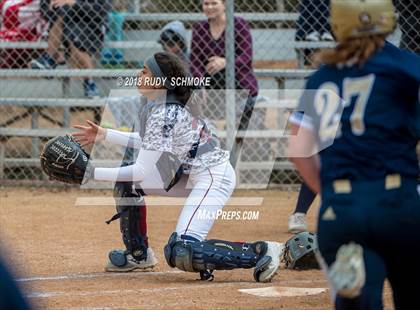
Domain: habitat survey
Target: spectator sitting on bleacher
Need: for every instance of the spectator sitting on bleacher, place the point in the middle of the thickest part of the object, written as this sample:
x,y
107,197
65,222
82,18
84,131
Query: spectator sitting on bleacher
x,y
173,39
20,22
208,59
313,24
80,26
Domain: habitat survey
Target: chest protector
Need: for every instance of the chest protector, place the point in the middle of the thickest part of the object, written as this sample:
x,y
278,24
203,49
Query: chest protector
x,y
169,165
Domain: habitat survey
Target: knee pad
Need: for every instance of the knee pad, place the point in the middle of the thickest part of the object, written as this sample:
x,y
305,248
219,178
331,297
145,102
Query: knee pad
x,y
191,255
178,254
128,202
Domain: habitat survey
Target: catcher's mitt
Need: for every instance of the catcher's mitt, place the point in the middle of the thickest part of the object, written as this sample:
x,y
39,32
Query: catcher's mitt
x,y
63,159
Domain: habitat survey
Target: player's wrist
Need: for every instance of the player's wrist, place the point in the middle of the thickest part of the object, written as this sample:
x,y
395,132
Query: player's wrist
x,y
89,173
102,133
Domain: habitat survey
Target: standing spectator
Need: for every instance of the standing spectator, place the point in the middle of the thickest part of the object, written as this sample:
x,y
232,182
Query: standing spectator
x,y
313,23
208,57
410,24
81,24
20,21
173,39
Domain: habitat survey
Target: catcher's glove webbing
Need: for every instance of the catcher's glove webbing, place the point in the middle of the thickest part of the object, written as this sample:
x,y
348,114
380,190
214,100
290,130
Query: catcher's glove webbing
x,y
64,159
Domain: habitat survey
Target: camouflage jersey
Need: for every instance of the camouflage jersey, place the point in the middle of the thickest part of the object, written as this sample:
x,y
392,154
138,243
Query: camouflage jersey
x,y
172,128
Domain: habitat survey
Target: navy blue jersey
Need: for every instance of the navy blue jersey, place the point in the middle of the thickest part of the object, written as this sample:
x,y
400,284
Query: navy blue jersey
x,y
10,296
372,126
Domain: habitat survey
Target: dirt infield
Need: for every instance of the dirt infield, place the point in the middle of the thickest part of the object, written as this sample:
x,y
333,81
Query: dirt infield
x,y
59,251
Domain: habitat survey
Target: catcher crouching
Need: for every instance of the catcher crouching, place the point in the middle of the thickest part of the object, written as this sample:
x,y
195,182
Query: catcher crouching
x,y
178,156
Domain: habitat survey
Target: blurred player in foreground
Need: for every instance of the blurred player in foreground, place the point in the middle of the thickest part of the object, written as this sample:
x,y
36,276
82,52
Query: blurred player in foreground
x,y
361,111
10,296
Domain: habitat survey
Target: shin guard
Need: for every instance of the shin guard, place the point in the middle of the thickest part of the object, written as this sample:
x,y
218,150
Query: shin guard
x,y
131,210
188,254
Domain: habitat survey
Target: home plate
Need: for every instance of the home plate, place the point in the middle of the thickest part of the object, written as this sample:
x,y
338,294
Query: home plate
x,y
278,291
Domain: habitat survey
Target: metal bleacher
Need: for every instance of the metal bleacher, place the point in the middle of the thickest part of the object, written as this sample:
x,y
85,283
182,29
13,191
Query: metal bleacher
x,y
145,40
35,105
67,100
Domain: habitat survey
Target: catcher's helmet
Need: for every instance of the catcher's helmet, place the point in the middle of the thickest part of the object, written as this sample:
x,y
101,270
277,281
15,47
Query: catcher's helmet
x,y
299,251
359,18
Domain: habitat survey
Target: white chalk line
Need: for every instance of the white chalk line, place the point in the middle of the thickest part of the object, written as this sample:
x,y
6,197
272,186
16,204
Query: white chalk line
x,y
97,275
137,274
144,290
78,276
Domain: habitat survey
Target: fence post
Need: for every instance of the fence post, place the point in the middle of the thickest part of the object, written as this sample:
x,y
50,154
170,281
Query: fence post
x,y
281,6
66,94
2,156
230,74
136,6
35,125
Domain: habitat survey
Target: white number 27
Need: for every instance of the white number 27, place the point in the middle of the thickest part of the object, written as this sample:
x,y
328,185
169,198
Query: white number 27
x,y
328,105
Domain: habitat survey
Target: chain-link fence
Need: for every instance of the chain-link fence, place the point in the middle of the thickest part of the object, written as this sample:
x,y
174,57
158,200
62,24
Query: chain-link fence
x,y
60,59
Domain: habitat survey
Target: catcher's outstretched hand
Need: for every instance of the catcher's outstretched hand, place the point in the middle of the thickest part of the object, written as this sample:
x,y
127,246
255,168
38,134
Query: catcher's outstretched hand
x,y
89,133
